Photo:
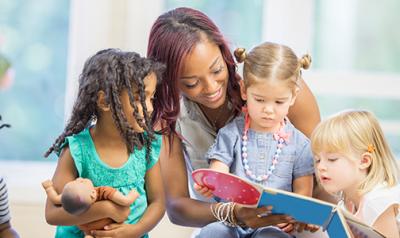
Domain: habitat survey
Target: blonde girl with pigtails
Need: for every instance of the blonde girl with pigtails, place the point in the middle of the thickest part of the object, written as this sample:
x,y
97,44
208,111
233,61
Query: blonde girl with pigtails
x,y
354,161
261,144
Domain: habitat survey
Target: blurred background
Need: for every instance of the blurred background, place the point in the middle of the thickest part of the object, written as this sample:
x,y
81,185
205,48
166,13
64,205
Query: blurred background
x,y
355,47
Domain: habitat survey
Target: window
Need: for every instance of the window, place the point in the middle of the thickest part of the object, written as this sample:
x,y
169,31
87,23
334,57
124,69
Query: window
x,y
240,21
355,41
34,40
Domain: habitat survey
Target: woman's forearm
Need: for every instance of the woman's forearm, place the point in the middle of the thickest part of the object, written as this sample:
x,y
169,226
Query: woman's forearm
x,y
189,212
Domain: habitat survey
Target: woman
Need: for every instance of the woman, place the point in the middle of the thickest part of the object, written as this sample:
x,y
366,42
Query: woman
x,y
201,68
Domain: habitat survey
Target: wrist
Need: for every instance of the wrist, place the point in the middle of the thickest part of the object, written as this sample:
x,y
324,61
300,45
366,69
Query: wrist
x,y
224,212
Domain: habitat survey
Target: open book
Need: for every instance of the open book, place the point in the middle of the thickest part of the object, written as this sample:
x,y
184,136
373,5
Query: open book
x,y
337,222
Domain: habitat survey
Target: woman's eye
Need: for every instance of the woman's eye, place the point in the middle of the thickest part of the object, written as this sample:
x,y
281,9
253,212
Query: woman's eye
x,y
217,71
192,85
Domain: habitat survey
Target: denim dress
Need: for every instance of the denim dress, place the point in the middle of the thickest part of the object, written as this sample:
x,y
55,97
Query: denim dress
x,y
295,160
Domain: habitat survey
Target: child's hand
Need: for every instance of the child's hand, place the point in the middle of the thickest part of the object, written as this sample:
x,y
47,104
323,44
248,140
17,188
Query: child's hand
x,y
118,230
203,190
300,227
46,184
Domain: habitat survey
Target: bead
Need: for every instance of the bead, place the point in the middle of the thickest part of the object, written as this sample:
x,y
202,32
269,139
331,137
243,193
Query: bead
x,y
280,145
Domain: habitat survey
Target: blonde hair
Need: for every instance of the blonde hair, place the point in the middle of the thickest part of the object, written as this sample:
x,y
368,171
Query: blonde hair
x,y
270,61
355,132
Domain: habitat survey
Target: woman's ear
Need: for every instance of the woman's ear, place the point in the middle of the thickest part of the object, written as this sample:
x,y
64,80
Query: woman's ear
x,y
243,93
366,160
101,101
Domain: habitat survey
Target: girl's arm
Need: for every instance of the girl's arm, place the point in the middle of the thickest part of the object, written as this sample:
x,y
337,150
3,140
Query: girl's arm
x,y
386,223
155,199
303,185
150,218
304,114
219,166
182,210
56,215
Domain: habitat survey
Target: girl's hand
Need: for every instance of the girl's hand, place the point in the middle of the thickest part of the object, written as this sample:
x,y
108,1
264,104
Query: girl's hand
x,y
259,217
117,230
203,190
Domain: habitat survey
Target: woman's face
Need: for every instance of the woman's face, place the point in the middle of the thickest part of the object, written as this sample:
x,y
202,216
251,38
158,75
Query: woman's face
x,y
204,75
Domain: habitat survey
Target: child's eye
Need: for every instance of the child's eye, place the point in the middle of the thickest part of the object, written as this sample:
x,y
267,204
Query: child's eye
x,y
259,100
317,161
280,102
332,159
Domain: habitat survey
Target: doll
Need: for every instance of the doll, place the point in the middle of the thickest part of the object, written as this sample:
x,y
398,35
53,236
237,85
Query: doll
x,y
79,194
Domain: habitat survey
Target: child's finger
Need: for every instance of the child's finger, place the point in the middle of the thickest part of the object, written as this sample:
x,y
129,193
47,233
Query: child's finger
x,y
208,194
198,187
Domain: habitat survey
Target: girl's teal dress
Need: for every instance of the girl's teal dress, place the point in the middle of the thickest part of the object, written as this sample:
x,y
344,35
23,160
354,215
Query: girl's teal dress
x,y
130,176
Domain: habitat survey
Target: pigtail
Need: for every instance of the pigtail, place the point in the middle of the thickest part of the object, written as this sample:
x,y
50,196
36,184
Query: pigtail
x,y
305,61
240,54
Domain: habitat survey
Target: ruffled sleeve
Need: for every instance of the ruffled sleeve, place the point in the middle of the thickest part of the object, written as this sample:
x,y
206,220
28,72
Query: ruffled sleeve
x,y
155,151
75,147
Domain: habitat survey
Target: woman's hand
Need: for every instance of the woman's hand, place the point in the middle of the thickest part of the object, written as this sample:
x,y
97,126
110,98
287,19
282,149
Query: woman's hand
x,y
259,217
203,190
118,230
286,227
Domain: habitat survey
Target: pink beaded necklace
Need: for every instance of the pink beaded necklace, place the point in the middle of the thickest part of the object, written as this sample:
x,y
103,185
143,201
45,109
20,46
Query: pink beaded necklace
x,y
281,136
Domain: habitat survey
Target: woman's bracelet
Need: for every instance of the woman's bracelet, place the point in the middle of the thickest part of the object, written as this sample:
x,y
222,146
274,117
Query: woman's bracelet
x,y
224,212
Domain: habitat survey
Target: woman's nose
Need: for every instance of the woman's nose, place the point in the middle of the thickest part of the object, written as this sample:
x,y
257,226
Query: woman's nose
x,y
210,85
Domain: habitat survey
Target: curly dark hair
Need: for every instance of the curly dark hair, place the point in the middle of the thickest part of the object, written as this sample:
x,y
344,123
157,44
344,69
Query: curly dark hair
x,y
111,71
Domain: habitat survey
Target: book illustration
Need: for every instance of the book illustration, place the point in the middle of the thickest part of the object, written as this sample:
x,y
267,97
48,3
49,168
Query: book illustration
x,y
229,188
304,209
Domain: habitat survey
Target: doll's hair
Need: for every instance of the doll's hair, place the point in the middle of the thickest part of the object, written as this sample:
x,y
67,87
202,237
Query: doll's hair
x,y
112,71
353,133
74,203
172,38
271,61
